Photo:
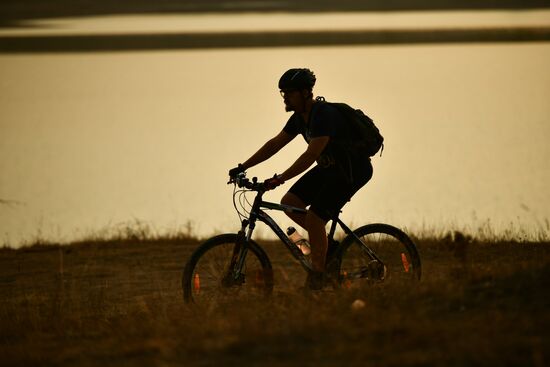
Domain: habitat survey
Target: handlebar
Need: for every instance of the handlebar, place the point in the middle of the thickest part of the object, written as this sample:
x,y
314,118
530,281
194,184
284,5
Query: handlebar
x,y
242,181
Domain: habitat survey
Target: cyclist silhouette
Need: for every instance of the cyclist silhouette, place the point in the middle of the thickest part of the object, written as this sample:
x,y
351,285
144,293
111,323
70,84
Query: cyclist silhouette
x,y
328,186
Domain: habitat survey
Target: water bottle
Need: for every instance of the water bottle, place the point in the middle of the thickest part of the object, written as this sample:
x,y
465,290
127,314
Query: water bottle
x,y
298,240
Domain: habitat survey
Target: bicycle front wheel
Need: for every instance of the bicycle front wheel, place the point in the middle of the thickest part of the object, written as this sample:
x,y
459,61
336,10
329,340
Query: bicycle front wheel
x,y
211,275
385,253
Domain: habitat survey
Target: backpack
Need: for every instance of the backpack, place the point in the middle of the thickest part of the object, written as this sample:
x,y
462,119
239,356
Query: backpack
x,y
364,135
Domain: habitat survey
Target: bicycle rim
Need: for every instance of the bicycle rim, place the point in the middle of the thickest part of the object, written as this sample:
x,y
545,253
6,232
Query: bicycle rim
x,y
396,258
208,279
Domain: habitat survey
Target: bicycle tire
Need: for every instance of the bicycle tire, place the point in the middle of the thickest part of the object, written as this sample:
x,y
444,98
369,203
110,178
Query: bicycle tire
x,y
397,252
205,270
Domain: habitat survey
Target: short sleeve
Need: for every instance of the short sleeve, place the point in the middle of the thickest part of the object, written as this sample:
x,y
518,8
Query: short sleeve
x,y
292,126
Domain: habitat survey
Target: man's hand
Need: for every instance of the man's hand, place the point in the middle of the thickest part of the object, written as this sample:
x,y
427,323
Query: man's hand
x,y
233,172
273,182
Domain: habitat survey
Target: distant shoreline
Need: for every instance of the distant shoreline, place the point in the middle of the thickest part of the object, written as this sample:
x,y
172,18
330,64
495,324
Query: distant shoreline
x,y
14,13
167,41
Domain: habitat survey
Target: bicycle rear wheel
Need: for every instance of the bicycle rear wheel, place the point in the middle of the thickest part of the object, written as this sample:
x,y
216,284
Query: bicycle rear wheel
x,y
209,275
391,256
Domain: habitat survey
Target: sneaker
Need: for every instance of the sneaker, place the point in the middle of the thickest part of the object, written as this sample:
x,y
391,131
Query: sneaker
x,y
315,280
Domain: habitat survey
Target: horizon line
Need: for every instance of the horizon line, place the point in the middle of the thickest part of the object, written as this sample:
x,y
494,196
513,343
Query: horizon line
x,y
265,39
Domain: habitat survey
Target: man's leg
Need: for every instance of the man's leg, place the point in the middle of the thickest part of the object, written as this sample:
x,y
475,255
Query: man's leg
x,y
293,200
317,239
315,227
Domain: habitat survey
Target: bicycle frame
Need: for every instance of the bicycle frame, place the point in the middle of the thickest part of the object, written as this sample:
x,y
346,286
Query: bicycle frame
x,y
256,213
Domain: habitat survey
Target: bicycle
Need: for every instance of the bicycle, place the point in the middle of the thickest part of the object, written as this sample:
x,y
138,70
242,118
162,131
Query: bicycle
x,y
233,264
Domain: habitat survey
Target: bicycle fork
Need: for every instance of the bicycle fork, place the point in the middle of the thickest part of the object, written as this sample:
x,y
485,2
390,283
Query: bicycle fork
x,y
235,274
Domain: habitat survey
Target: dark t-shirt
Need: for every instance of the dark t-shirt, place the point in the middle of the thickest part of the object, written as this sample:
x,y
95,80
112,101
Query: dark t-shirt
x,y
326,120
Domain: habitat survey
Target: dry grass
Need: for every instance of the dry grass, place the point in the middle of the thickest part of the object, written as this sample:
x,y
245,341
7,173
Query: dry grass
x,y
119,303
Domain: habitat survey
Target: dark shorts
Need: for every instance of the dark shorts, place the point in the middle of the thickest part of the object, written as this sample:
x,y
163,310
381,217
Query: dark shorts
x,y
327,190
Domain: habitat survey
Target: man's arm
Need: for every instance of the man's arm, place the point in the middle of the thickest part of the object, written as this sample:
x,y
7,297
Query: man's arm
x,y
269,149
314,150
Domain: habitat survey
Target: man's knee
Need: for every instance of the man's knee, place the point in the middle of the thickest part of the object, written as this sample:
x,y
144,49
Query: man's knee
x,y
313,218
292,200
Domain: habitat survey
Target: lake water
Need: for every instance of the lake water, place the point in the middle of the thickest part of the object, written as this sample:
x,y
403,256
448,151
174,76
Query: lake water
x,y
92,142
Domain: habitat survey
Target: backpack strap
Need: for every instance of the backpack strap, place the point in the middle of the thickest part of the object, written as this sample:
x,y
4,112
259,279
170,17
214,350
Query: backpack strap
x,y
347,171
319,101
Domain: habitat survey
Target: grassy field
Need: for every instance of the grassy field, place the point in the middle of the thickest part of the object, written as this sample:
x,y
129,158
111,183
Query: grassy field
x,y
119,303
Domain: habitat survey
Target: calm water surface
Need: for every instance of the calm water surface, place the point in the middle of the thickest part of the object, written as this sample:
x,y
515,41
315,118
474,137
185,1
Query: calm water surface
x,y
90,142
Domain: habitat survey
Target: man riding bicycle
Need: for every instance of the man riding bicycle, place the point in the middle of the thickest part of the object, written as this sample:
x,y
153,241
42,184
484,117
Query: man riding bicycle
x,y
328,186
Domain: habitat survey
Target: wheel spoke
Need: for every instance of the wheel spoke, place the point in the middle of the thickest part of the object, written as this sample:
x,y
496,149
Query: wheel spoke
x,y
209,278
